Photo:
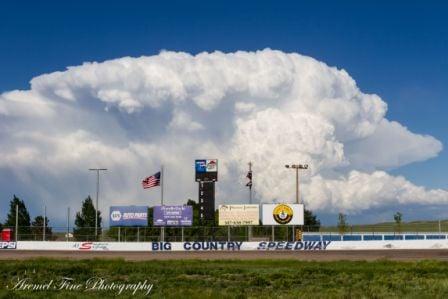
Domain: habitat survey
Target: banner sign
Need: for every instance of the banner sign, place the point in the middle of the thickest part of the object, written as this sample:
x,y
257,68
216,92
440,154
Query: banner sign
x,y
239,214
173,216
282,214
8,245
128,216
206,170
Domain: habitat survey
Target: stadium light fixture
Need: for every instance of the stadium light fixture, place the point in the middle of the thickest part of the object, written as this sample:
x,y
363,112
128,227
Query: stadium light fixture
x,y
297,167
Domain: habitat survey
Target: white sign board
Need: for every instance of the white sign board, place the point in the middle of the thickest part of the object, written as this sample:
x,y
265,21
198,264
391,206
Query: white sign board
x,y
282,214
239,214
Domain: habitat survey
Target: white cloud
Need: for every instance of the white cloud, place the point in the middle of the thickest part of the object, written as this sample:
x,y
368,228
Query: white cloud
x,y
391,145
362,191
132,114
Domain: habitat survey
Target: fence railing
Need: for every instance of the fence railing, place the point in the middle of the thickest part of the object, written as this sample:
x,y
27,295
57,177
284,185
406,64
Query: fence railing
x,y
207,233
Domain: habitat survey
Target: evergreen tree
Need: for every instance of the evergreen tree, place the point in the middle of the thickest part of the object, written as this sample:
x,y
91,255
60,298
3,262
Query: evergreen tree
x,y
85,222
23,219
311,222
37,228
398,217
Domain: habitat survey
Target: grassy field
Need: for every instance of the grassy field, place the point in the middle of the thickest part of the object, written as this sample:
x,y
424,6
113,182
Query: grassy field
x,y
413,226
234,279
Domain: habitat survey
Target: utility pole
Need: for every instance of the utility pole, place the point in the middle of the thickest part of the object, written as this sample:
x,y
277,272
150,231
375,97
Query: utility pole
x,y
97,195
68,223
296,167
17,221
45,222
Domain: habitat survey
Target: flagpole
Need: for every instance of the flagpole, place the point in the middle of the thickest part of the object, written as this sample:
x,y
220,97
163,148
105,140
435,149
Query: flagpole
x,y
162,179
250,187
250,199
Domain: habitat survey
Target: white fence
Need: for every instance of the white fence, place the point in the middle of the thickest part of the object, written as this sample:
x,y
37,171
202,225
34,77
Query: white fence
x,y
226,246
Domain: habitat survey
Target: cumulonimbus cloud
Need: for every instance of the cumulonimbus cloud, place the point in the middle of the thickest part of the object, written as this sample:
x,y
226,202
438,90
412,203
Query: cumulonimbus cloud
x,y
268,107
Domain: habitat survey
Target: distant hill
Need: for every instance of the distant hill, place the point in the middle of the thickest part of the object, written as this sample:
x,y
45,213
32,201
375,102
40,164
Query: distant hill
x,y
412,226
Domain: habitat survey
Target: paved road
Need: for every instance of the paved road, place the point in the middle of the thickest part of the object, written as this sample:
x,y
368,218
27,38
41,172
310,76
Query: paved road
x,y
332,255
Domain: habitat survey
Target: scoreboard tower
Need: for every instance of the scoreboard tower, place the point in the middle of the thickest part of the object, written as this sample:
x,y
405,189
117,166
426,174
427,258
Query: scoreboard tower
x,y
206,175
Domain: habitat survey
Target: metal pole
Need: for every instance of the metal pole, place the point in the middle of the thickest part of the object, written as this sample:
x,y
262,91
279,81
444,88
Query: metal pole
x,y
68,223
138,234
119,234
228,233
161,233
162,179
96,204
440,227
297,202
17,222
182,230
161,186
250,198
297,185
273,236
251,181
45,222
97,196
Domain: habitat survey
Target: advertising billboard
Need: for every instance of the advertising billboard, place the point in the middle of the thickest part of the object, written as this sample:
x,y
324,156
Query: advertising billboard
x,y
282,214
239,214
128,216
206,170
173,216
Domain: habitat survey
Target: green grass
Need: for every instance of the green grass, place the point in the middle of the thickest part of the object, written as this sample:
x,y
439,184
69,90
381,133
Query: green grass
x,y
238,279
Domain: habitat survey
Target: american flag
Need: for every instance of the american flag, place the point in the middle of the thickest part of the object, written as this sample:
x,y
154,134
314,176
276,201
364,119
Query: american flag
x,y
151,181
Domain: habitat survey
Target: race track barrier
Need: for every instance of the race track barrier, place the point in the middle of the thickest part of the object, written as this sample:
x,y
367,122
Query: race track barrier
x,y
229,246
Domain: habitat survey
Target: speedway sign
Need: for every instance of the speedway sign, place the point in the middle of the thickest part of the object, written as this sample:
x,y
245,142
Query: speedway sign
x,y
282,214
239,214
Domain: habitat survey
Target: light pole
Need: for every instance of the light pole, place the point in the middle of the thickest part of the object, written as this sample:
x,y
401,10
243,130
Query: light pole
x,y
97,194
296,167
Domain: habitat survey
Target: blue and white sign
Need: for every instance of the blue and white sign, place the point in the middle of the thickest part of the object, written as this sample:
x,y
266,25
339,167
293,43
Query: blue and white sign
x,y
210,165
128,216
173,216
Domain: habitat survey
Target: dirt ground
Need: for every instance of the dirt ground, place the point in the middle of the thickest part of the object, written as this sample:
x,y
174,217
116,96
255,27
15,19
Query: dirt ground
x,y
332,255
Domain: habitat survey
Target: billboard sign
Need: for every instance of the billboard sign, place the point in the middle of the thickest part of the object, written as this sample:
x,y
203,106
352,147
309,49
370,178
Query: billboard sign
x,y
206,170
128,216
239,214
173,216
282,214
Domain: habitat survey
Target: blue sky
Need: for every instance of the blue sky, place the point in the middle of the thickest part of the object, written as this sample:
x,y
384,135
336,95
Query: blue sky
x,y
396,50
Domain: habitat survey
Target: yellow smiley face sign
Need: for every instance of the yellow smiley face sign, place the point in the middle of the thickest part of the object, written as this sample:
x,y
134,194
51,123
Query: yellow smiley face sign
x,y
283,214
